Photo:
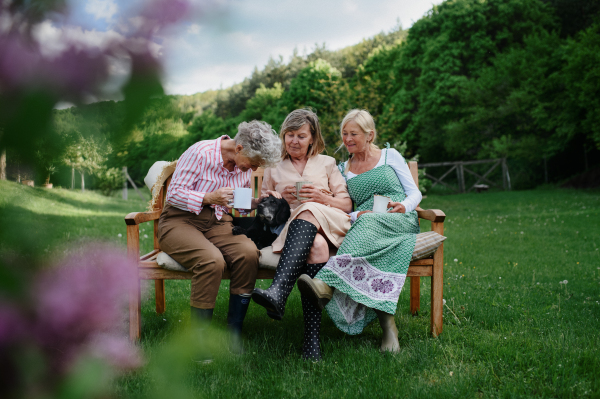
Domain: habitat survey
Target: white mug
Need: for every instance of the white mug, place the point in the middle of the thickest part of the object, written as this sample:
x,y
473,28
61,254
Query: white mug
x,y
380,203
242,198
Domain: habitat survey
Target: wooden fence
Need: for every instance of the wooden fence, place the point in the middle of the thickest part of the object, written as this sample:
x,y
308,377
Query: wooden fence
x,y
460,168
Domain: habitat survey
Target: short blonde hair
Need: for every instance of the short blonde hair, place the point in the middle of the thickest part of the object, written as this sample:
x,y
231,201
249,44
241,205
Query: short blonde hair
x,y
294,121
365,121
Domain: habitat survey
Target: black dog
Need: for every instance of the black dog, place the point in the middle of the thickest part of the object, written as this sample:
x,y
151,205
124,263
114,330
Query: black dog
x,y
270,212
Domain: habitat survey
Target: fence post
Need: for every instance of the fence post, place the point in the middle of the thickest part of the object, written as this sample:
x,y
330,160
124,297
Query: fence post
x,y
504,169
3,165
460,172
125,183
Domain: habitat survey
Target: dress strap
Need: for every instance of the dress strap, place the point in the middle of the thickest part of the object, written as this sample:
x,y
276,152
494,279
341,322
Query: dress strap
x,y
387,147
342,169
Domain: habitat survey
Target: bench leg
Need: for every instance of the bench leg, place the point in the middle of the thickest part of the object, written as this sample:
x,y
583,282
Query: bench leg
x,y
159,293
415,295
135,313
437,292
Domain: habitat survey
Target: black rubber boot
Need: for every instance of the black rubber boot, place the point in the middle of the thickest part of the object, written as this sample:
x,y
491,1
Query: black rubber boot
x,y
201,319
312,320
238,306
300,237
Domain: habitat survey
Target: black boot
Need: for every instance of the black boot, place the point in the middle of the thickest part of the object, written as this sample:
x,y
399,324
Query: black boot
x,y
312,320
238,306
300,237
201,319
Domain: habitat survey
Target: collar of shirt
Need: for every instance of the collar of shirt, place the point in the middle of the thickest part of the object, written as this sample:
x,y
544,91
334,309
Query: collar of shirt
x,y
220,155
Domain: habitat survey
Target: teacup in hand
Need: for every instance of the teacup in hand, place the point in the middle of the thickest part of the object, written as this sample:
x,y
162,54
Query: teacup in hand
x,y
380,203
242,198
299,185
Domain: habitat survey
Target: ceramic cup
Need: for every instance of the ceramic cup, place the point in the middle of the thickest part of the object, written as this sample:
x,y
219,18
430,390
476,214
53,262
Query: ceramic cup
x,y
242,198
299,185
380,203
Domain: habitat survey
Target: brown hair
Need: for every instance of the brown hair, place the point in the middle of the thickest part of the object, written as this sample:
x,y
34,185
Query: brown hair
x,y
294,121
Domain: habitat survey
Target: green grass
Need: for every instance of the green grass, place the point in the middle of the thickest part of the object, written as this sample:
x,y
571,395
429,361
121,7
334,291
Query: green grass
x,y
511,329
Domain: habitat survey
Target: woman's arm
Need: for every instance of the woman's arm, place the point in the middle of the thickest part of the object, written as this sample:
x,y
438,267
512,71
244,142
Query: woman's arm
x,y
190,167
337,185
413,195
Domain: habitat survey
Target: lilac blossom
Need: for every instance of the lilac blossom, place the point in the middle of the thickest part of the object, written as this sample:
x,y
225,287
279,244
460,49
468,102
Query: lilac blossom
x,y
83,299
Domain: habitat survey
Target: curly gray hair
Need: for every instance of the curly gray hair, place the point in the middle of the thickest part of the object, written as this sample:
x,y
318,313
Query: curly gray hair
x,y
259,141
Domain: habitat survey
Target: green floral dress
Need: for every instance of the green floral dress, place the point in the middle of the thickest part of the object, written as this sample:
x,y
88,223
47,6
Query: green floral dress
x,y
370,267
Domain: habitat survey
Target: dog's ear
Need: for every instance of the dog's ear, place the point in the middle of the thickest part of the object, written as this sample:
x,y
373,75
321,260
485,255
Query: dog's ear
x,y
283,211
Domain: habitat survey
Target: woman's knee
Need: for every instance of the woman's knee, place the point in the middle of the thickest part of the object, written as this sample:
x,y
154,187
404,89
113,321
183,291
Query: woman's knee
x,y
309,217
248,252
319,252
209,262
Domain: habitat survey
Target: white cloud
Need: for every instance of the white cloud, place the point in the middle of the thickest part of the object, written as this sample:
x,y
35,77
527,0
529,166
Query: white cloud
x,y
229,46
102,9
54,40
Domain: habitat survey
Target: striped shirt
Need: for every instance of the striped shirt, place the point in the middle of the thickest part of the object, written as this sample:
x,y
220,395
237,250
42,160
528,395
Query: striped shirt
x,y
200,171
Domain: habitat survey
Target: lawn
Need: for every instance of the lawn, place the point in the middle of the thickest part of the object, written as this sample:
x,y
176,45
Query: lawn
x,y
521,283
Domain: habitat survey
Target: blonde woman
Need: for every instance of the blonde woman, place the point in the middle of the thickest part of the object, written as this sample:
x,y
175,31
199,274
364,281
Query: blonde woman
x,y
370,267
317,224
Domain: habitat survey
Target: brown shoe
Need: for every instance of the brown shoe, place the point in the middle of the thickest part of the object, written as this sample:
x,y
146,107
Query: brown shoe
x,y
316,290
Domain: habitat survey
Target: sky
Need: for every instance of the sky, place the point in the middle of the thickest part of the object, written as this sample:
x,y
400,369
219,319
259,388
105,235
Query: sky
x,y
222,41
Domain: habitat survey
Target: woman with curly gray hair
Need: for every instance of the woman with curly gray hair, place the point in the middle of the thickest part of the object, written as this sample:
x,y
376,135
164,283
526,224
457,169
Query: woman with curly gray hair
x,y
195,227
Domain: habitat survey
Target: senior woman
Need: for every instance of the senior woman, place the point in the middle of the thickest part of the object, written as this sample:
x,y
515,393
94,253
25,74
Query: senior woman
x,y
195,226
317,223
370,267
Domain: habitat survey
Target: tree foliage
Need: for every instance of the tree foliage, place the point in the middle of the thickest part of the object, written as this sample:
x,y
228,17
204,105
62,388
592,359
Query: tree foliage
x,y
471,79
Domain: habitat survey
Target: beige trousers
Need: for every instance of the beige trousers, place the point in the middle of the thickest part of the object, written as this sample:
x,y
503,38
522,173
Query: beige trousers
x,y
206,246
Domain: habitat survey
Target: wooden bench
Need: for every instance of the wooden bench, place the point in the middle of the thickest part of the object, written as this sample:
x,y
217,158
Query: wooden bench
x,y
148,268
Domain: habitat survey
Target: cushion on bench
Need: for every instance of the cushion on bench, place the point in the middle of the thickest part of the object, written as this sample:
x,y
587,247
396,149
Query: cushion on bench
x,y
427,244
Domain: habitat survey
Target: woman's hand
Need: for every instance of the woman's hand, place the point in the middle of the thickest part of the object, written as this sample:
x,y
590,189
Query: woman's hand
x,y
313,194
397,207
362,213
269,192
288,194
222,196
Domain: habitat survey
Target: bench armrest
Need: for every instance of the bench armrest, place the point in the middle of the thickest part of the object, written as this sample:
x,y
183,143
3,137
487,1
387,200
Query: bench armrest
x,y
435,215
136,218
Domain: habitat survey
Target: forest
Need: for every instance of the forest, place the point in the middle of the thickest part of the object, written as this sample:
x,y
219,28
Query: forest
x,y
472,79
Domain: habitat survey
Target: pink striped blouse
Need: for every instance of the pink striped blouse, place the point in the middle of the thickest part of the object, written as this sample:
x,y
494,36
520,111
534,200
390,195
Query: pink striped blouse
x,y
200,171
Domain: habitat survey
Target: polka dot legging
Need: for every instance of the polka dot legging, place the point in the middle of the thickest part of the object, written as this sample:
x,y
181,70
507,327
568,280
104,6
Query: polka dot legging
x,y
300,237
312,320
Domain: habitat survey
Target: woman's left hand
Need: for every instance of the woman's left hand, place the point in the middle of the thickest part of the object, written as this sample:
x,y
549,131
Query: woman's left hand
x,y
397,207
269,192
313,194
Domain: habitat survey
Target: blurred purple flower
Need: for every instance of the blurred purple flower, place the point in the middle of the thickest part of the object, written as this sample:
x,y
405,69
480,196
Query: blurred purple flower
x,y
76,71
81,298
18,61
161,13
12,324
116,350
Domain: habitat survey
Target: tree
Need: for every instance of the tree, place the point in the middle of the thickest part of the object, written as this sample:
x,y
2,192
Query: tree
x,y
321,87
262,105
85,155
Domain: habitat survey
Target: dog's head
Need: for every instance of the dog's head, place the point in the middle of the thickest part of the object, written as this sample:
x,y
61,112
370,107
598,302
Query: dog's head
x,y
273,211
